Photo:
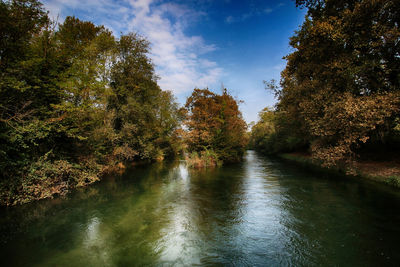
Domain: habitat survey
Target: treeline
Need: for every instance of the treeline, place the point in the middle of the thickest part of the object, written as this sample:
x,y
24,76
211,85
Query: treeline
x,y
77,102
339,95
74,101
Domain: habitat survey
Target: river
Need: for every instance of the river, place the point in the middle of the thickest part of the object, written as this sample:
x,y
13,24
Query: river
x,y
261,212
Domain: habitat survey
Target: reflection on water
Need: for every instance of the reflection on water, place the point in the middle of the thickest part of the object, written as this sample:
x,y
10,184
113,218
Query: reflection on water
x,y
94,243
256,213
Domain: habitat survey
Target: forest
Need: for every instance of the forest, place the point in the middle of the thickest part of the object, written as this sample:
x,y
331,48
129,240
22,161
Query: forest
x,y
339,95
77,102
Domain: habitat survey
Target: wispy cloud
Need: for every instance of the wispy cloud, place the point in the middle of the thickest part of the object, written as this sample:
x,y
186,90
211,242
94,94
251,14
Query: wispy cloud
x,y
180,59
268,10
254,12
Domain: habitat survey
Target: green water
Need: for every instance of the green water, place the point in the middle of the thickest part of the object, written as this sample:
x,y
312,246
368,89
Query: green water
x,y
261,212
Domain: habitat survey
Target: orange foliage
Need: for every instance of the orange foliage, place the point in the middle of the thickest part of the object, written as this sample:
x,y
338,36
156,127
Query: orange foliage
x,y
214,122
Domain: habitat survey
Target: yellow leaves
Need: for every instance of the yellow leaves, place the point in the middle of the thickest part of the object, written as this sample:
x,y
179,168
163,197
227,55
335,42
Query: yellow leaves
x,y
340,84
124,153
60,118
349,119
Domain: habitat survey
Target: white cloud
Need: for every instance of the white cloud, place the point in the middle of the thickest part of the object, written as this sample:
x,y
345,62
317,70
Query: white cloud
x,y
180,59
177,56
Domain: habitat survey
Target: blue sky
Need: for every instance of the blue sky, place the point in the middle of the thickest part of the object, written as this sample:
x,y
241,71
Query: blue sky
x,y
203,43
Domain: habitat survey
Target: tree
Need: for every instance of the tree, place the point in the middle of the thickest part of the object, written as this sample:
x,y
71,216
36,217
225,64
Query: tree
x,y
74,102
140,106
215,123
340,88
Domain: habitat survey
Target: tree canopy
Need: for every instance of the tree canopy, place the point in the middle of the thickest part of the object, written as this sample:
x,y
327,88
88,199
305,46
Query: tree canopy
x,y
74,102
214,122
340,88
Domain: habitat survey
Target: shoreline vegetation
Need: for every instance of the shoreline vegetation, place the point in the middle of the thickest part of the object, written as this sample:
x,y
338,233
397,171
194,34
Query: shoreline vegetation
x,y
204,159
385,172
215,130
78,102
338,99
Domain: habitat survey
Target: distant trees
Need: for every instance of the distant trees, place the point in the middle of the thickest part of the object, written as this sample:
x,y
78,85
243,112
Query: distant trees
x,y
74,101
214,123
340,88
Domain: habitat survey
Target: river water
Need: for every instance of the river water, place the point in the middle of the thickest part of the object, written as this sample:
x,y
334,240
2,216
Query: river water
x,y
261,212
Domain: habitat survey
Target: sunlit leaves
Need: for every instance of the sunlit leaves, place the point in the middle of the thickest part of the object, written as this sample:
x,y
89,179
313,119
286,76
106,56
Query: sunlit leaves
x,y
215,123
340,88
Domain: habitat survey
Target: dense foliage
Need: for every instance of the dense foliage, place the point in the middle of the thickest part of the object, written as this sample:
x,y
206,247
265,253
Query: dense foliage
x,y
215,128
340,90
74,102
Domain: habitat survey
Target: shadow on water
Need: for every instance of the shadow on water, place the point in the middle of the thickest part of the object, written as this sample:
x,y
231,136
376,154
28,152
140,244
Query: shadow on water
x,y
256,213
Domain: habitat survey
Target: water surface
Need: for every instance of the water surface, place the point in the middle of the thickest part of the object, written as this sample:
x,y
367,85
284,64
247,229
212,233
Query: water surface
x,y
261,212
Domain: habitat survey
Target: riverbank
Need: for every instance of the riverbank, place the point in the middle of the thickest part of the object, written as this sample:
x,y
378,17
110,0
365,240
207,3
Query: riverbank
x,y
58,179
387,172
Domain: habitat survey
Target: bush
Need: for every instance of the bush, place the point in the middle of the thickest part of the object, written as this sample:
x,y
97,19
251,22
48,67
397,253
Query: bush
x,y
206,158
45,178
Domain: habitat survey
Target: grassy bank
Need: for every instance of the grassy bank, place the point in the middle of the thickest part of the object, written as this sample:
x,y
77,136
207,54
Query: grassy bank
x,y
387,172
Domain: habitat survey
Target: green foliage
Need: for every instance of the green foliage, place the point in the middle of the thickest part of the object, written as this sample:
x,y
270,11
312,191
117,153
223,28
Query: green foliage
x,y
393,181
74,100
272,134
19,20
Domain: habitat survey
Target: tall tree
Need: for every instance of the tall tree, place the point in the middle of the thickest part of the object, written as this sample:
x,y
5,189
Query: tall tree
x,y
340,89
74,102
215,123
